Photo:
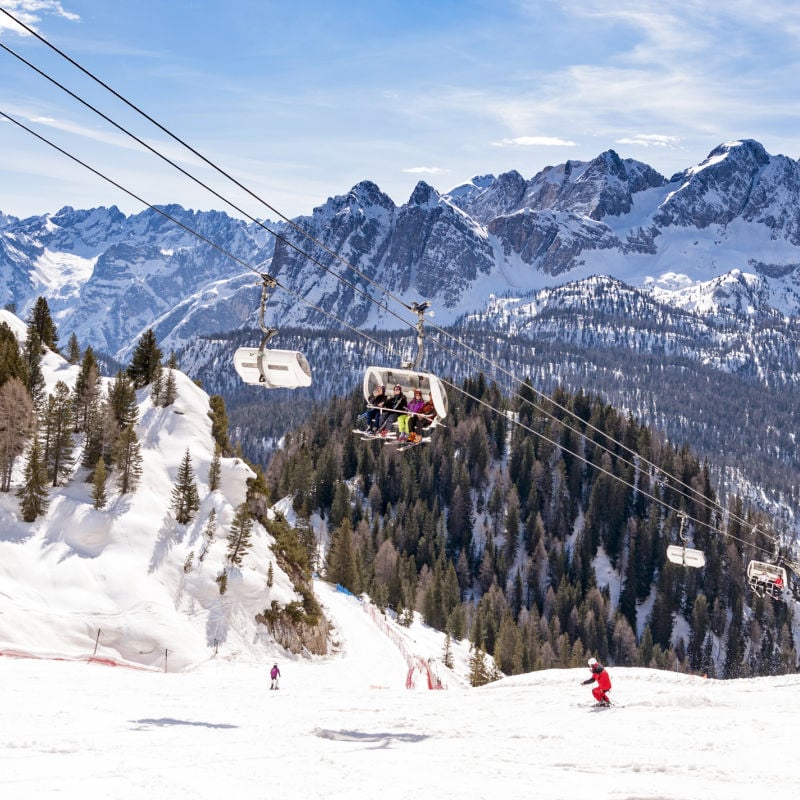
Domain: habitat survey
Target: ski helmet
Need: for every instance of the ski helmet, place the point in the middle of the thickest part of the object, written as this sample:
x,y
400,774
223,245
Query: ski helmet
x,y
592,662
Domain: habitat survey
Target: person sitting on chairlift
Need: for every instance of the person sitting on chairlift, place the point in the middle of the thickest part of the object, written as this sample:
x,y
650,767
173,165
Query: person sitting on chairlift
x,y
391,409
409,423
376,401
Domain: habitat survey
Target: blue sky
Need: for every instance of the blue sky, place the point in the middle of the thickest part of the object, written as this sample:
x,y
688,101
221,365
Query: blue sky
x,y
301,100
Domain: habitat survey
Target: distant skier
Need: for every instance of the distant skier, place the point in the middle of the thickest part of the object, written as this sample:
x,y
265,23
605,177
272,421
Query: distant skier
x,y
274,674
599,674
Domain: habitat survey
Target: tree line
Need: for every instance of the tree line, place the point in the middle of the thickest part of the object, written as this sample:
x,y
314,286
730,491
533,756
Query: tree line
x,y
532,534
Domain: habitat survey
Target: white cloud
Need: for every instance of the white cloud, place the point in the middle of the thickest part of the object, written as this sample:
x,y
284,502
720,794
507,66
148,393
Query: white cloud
x,y
425,170
534,141
650,140
30,12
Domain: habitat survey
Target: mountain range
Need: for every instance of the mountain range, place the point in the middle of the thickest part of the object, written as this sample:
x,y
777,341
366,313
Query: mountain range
x,y
605,259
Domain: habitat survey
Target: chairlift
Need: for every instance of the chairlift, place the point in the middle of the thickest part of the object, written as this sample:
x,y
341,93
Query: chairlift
x,y
766,579
272,369
685,556
409,377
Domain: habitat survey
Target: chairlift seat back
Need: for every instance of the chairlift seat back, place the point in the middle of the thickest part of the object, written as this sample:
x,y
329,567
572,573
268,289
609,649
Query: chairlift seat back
x,y
762,574
409,380
272,369
686,556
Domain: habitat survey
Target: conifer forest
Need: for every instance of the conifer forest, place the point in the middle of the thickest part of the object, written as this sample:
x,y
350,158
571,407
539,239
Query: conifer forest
x,y
538,531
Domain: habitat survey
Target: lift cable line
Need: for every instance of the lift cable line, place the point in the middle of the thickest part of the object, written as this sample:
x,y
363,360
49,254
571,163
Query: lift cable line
x,y
494,409
698,497
208,162
205,186
185,227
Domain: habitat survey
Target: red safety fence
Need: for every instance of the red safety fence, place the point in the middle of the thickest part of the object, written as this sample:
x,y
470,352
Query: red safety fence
x,y
415,663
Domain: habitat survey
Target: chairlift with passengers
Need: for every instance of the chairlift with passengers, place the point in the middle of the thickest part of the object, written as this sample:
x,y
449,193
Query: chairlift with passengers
x,y
263,366
409,377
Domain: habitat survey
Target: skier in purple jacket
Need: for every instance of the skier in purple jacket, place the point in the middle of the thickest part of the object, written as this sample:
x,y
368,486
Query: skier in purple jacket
x,y
274,674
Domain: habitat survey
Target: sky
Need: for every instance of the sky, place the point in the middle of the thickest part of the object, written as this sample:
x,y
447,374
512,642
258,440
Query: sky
x,y
300,101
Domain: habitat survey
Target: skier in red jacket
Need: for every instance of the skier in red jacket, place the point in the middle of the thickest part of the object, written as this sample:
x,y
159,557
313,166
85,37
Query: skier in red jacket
x,y
599,674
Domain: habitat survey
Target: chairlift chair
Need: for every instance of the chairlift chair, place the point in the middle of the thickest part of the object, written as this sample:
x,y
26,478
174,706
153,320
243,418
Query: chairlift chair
x,y
766,579
409,377
685,556
272,369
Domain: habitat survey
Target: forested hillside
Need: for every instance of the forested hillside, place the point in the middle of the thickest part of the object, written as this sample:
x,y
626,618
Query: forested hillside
x,y
539,531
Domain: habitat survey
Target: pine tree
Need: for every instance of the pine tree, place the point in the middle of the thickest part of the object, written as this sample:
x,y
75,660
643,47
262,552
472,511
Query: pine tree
x,y
87,390
157,386
128,460
40,321
55,430
33,492
73,349
99,485
478,671
146,358
170,386
240,535
215,471
33,377
12,364
122,399
102,432
16,423
219,423
270,575
185,499
209,532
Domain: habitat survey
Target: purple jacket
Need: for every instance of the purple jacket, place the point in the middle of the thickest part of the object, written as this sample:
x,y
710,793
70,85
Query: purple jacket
x,y
274,672
415,406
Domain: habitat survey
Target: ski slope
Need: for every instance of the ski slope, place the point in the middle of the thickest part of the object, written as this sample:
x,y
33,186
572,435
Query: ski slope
x,y
345,726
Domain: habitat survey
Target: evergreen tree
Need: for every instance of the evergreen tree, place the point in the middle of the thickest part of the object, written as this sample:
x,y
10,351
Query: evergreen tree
x,y
128,460
11,361
55,430
240,535
40,321
209,532
33,492
73,349
185,499
87,390
32,365
99,485
341,564
16,424
157,386
122,400
170,386
478,671
219,423
146,358
215,470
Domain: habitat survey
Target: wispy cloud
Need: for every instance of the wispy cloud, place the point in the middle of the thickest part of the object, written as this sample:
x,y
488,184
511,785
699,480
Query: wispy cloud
x,y
425,170
650,140
534,141
31,11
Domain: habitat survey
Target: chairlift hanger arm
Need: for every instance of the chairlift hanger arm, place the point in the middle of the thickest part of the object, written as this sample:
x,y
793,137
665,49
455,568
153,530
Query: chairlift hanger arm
x,y
267,285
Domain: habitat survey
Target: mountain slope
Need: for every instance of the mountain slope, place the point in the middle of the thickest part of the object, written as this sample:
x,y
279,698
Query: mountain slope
x,y
129,577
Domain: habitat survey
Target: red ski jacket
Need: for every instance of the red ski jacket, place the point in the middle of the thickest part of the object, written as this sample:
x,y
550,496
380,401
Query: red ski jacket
x,y
602,677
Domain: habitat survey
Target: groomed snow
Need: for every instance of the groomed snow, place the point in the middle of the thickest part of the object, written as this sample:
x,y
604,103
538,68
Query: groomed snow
x,y
344,726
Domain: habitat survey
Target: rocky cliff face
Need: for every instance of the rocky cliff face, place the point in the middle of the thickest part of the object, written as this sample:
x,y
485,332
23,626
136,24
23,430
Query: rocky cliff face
x,y
357,258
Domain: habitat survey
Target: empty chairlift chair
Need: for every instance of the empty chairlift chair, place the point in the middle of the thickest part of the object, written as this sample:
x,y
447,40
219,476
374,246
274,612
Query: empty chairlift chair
x,y
263,366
